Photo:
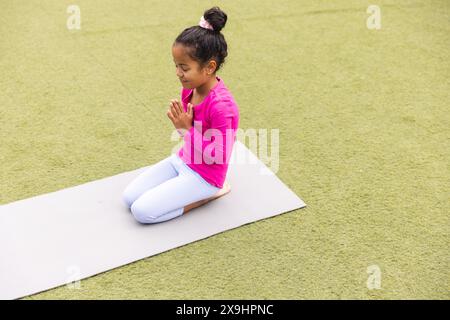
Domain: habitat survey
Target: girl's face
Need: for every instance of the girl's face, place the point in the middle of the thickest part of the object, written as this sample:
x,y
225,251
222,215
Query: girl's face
x,y
188,71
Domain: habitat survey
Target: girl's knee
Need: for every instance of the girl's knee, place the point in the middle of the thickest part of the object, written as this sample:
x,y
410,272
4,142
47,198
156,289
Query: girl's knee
x,y
143,214
148,214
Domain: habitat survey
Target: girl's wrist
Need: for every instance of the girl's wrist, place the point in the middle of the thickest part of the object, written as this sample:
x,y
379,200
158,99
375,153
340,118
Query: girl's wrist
x,y
182,131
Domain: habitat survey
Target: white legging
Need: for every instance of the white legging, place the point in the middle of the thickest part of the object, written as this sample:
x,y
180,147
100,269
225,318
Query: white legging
x,y
161,192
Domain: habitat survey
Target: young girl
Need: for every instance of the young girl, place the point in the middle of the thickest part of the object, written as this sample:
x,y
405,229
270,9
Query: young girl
x,y
195,174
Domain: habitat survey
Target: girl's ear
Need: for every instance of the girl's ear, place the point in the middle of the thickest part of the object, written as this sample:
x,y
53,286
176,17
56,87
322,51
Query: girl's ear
x,y
212,65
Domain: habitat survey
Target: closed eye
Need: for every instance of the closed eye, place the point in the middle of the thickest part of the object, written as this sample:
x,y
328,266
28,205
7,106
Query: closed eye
x,y
182,69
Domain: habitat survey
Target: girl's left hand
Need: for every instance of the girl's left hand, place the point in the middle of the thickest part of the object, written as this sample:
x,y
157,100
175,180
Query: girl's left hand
x,y
180,119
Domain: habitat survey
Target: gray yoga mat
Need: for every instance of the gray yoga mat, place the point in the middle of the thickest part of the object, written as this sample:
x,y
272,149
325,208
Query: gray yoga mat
x,y
60,237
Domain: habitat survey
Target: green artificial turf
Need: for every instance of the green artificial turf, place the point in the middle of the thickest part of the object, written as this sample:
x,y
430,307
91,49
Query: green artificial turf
x,y
364,124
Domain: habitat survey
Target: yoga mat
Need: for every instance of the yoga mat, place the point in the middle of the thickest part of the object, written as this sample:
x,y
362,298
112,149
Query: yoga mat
x,y
53,239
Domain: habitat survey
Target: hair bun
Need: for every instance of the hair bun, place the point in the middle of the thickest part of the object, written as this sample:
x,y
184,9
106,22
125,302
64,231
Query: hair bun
x,y
216,18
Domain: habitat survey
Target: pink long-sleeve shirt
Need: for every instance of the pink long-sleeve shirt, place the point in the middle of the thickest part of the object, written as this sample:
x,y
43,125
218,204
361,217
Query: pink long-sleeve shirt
x,y
209,142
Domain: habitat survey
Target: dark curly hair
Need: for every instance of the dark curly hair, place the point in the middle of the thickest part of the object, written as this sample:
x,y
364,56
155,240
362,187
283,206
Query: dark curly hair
x,y
205,44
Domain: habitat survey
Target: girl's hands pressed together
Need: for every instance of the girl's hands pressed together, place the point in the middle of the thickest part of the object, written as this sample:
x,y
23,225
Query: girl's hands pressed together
x,y
180,119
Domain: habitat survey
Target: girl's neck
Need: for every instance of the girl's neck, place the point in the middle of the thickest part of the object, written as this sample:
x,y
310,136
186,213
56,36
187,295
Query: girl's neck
x,y
204,89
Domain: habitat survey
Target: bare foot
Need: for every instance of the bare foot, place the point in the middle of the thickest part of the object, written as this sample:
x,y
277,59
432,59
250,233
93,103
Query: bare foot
x,y
225,189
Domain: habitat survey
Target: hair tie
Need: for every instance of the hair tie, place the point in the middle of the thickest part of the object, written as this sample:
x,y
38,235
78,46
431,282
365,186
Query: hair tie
x,y
205,24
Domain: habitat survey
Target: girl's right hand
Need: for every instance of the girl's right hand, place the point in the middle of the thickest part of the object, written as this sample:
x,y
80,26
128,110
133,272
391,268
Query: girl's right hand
x,y
180,119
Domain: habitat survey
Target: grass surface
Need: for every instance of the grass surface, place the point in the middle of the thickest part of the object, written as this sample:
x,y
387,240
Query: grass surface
x,y
364,137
